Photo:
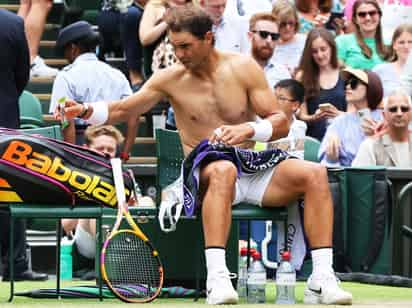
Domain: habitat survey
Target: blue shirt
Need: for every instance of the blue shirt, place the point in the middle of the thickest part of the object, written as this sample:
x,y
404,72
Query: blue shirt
x,y
231,35
89,80
348,128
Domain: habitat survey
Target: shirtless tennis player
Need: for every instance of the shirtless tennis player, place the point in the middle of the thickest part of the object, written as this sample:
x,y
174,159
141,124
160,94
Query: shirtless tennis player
x,y
217,95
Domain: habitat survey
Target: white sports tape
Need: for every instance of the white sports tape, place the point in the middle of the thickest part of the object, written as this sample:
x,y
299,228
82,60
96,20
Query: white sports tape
x,y
100,113
263,130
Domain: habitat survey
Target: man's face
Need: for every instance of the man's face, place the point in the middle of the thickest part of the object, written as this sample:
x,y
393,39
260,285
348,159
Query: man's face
x,y
215,8
263,39
355,90
286,101
104,144
397,112
190,50
71,52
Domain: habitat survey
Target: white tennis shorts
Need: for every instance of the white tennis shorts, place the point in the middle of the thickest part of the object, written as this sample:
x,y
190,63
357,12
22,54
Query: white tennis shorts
x,y
85,242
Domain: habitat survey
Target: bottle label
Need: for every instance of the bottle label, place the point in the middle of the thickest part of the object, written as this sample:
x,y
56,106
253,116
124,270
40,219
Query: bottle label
x,y
286,279
256,278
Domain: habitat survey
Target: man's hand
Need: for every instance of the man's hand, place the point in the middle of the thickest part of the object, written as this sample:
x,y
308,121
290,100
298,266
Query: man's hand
x,y
71,110
371,127
232,134
332,147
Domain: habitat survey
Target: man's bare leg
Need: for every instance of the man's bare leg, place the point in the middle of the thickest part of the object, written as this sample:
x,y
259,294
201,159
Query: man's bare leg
x,y
34,24
218,182
24,8
292,179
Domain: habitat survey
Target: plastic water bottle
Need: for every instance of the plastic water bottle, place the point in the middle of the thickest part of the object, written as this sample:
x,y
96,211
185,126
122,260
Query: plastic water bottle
x,y
66,260
285,281
256,281
242,274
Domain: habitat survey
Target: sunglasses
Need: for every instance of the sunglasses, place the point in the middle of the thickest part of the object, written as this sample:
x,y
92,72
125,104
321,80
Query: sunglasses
x,y
403,109
265,34
370,13
283,24
353,83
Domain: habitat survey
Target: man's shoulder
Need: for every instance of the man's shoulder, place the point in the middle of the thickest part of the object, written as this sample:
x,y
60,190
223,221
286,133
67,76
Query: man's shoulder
x,y
9,21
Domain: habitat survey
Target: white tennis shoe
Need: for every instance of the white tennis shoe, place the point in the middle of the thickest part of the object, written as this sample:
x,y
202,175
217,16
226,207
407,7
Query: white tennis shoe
x,y
323,288
219,288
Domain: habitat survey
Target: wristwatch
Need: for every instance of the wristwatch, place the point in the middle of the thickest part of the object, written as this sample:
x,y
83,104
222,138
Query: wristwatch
x,y
84,111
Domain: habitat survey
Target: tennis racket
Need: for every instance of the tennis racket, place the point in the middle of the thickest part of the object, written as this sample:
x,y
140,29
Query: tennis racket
x,y
130,265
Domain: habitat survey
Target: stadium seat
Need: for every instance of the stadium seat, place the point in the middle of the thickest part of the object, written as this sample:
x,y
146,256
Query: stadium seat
x,y
169,154
30,111
311,149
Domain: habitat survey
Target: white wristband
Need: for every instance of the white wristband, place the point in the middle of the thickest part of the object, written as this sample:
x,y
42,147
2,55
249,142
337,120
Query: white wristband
x,y
100,113
263,130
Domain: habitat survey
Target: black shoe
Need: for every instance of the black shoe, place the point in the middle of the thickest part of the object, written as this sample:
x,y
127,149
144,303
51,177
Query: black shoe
x,y
27,275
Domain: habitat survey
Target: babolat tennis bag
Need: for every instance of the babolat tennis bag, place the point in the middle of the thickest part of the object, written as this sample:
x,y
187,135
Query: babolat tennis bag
x,y
39,170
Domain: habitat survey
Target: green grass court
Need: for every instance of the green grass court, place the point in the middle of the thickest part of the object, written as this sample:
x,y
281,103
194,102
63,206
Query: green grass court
x,y
364,296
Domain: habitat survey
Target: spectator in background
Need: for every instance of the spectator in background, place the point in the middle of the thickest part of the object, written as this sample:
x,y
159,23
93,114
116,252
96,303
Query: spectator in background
x,y
88,79
290,95
119,31
263,35
14,74
344,136
289,49
364,48
313,13
34,13
247,8
406,77
319,73
230,32
390,73
392,148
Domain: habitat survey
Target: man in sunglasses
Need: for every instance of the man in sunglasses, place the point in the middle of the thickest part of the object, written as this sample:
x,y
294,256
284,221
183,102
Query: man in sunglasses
x,y
363,89
392,148
263,35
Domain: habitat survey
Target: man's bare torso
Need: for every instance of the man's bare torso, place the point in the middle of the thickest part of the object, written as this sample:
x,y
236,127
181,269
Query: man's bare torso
x,y
203,103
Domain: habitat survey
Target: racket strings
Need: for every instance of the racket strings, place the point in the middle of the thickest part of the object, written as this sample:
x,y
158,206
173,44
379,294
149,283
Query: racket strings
x,y
131,267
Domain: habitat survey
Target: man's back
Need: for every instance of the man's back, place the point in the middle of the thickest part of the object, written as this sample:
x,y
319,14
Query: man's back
x,y
15,67
88,79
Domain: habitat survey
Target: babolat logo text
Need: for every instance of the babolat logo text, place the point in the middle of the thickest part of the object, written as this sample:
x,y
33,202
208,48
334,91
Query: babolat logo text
x,y
21,153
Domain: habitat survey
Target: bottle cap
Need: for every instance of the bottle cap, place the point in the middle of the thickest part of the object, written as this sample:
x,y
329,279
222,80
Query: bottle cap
x,y
252,251
256,256
286,256
243,251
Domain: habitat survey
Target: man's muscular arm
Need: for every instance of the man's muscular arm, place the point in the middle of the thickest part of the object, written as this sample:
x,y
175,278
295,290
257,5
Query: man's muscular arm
x,y
120,111
262,101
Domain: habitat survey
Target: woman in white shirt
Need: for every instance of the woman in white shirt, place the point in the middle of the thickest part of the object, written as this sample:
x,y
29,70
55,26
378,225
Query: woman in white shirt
x,y
390,73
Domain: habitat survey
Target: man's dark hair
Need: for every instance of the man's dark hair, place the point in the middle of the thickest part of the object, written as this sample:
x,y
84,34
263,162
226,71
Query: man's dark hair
x,y
294,87
189,18
88,43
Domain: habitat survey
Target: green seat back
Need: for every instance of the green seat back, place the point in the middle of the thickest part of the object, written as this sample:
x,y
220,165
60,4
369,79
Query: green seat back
x,y
31,115
311,149
169,157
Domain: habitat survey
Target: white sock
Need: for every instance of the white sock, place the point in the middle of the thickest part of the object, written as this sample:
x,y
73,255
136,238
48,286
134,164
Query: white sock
x,y
322,260
215,259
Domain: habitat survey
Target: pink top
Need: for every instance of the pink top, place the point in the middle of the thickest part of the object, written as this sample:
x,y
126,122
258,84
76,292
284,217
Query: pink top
x,y
349,6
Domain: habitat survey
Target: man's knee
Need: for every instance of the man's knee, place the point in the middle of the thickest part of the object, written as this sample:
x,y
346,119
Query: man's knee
x,y
45,4
316,174
219,171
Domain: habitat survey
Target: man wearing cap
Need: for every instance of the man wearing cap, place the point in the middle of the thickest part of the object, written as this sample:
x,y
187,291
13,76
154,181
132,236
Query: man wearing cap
x,y
393,147
343,137
88,79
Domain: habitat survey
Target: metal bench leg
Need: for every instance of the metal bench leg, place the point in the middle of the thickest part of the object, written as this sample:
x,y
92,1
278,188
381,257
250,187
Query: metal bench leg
x,y
98,261
59,238
11,258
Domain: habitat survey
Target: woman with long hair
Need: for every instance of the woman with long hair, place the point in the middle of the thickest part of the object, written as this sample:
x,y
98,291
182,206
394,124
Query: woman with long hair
x,y
364,48
319,73
390,72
